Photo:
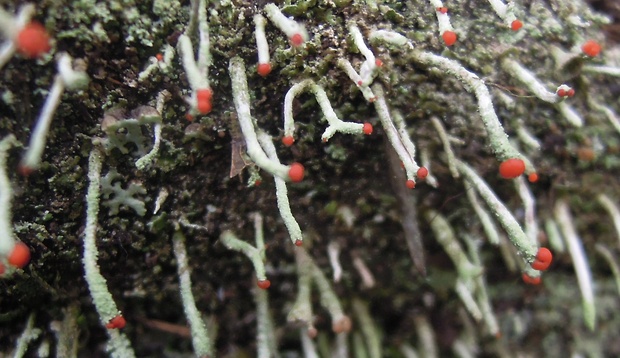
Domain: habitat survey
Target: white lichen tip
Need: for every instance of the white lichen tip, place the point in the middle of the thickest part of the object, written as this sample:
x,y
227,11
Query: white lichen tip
x,y
295,31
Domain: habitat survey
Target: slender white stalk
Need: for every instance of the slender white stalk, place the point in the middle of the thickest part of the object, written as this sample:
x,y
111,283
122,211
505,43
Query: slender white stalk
x,y
611,261
372,337
267,346
7,50
570,114
329,300
28,335
241,98
68,78
7,237
426,337
444,234
368,280
408,351
393,135
284,206
389,37
369,68
425,159
261,39
553,235
443,19
529,204
194,76
302,308
347,67
447,147
527,137
290,27
612,210
118,345
604,70
334,123
607,111
467,297
200,336
498,139
333,252
521,241
529,80
145,161
307,345
254,254
488,225
580,262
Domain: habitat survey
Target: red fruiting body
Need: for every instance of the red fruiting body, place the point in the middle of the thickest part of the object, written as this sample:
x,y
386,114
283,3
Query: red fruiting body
x,y
33,41
298,242
116,322
367,128
159,57
516,25
543,259
449,37
591,48
531,280
288,140
511,168
422,173
203,100
189,117
204,107
263,284
533,178
24,170
264,69
378,63
442,9
297,40
205,94
544,255
410,184
296,172
20,256
540,266
359,83
561,92
570,93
